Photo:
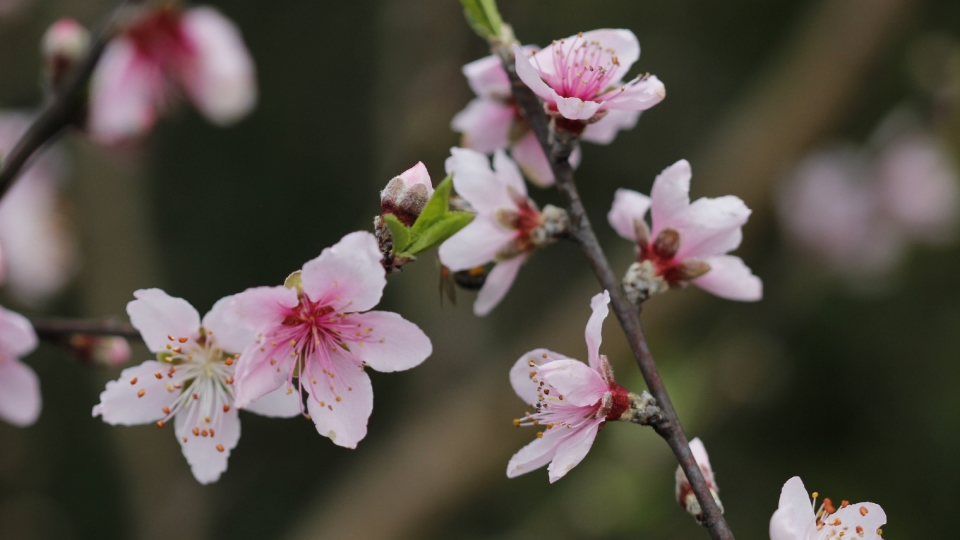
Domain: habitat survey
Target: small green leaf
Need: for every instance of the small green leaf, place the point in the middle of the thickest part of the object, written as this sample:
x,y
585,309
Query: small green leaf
x,y
439,231
435,224
437,206
399,232
483,17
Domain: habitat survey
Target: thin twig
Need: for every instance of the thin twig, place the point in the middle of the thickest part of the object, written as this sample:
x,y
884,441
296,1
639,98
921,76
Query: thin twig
x,y
56,329
670,429
66,106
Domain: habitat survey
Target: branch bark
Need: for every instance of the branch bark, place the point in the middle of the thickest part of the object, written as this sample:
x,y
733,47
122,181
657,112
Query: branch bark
x,y
670,429
56,329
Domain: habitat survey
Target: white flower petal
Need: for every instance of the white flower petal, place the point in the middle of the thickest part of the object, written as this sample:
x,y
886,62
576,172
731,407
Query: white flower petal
x,y
122,402
392,344
498,282
520,377
731,279
670,195
600,306
605,130
20,401
629,208
159,316
794,519
710,226
536,454
485,125
348,275
207,454
474,245
17,337
284,402
226,331
476,182
571,451
578,383
344,421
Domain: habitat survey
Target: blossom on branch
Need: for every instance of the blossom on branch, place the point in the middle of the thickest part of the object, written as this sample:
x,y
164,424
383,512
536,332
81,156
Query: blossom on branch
x,y
321,332
508,226
163,54
19,386
795,518
404,198
684,491
571,401
581,77
191,381
688,242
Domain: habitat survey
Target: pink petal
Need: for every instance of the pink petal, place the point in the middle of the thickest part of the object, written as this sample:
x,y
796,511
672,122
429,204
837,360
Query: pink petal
x,y
577,382
260,308
605,130
624,42
125,93
221,80
629,208
344,421
794,519
474,245
487,78
731,279
20,401
600,306
865,514
485,125
536,454
349,275
508,173
639,96
572,449
670,195
284,402
226,331
17,337
530,75
207,462
417,174
529,156
393,344
121,404
710,226
520,377
158,316
476,182
574,108
498,282
262,368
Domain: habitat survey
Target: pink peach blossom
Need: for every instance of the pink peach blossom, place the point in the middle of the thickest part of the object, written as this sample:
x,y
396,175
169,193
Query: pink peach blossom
x,y
581,77
19,386
795,518
688,242
191,381
684,492
505,229
572,401
322,333
197,53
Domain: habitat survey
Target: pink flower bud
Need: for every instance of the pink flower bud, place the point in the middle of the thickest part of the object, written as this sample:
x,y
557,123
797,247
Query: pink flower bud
x,y
684,491
64,44
407,194
111,351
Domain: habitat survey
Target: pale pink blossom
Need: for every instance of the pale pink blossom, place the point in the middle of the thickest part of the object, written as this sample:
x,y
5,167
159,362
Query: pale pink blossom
x,y
321,332
688,241
40,253
492,121
684,492
571,400
581,77
191,381
166,53
19,386
506,229
795,518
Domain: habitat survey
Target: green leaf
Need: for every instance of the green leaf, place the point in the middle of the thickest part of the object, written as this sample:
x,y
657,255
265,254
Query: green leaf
x,y
439,231
437,206
399,232
483,17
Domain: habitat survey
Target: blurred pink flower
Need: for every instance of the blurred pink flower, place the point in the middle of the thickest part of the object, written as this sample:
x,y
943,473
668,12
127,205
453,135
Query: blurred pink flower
x,y
165,53
40,254
795,518
19,386
684,492
322,333
504,229
688,242
572,401
191,380
582,76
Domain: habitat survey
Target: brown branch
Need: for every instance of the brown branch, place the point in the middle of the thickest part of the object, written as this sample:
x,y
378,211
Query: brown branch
x,y
670,429
56,329
63,110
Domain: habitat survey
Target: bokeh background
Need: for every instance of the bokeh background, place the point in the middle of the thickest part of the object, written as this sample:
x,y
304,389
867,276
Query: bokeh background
x,y
855,392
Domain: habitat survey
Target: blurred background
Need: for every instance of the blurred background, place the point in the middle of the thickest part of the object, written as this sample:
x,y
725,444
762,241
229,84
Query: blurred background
x,y
844,374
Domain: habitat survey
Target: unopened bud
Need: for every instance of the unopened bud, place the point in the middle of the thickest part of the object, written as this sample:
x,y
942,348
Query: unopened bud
x,y
64,44
685,496
407,194
641,282
666,244
106,351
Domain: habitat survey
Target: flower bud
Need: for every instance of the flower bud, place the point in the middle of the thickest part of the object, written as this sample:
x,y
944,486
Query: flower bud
x,y
64,44
407,194
105,351
684,491
666,244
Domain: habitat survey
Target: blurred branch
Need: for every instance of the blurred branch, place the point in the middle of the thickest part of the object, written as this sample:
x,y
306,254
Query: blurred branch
x,y
558,151
56,329
63,110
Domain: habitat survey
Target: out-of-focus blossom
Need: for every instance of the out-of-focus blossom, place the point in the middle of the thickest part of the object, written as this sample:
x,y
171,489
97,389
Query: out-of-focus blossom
x,y
685,496
321,332
19,386
63,45
166,53
40,252
572,401
191,380
688,242
581,77
795,518
507,229
106,351
858,213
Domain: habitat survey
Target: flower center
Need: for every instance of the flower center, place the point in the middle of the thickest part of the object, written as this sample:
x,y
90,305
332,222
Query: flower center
x,y
160,38
551,410
582,69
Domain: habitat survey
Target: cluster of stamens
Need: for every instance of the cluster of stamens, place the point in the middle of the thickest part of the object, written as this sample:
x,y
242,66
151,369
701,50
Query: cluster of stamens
x,y
833,528
547,396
